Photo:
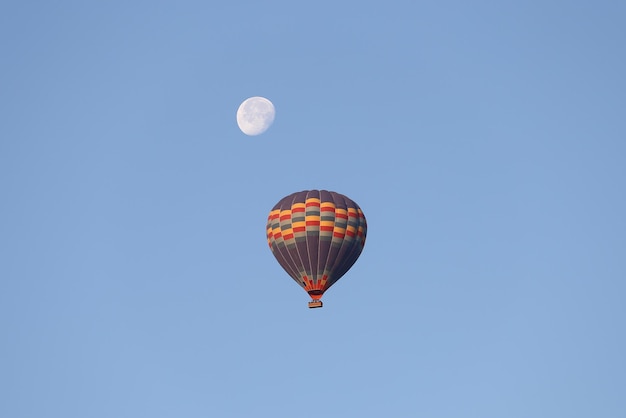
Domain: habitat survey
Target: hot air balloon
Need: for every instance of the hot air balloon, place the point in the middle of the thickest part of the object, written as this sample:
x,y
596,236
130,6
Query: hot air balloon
x,y
316,236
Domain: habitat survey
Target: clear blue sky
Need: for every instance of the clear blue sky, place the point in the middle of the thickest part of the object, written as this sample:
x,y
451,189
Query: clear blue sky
x,y
485,142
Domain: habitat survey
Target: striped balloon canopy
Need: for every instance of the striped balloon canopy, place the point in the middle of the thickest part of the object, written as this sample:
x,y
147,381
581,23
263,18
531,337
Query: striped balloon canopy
x,y
316,236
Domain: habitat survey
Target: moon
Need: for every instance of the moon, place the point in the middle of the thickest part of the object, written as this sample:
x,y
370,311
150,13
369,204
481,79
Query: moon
x,y
255,115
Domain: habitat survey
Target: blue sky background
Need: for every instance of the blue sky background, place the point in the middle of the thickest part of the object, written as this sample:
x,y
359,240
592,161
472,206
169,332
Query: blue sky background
x,y
485,142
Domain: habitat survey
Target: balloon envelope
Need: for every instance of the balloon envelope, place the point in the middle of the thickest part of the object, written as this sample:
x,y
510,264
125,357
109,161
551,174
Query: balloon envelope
x,y
316,236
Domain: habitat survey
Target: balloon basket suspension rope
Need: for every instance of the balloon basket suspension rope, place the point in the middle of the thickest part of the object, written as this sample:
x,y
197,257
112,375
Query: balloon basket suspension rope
x,y
315,304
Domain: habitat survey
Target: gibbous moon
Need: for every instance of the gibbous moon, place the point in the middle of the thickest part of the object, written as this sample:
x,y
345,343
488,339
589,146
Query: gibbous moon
x,y
255,115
